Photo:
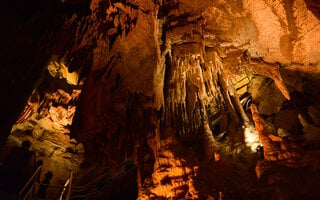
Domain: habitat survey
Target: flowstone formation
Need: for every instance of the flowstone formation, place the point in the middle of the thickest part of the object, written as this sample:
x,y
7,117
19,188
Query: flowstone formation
x,y
46,120
168,84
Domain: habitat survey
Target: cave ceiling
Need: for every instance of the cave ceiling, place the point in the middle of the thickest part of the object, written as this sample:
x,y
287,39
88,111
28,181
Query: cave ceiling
x,y
278,31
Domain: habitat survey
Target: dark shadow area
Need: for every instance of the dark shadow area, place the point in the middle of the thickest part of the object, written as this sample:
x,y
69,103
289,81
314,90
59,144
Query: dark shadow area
x,y
24,52
106,185
314,7
33,33
17,168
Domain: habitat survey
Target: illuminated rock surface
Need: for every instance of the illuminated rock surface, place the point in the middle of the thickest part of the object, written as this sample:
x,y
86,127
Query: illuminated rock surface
x,y
163,83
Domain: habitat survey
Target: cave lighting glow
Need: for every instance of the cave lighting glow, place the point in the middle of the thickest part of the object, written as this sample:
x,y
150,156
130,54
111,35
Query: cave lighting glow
x,y
60,70
251,137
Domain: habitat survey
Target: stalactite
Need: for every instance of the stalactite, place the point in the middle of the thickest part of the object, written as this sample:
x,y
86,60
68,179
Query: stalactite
x,y
160,70
183,87
237,104
223,81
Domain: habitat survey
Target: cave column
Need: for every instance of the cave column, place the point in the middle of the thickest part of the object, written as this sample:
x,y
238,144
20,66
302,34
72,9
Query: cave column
x,y
222,77
237,104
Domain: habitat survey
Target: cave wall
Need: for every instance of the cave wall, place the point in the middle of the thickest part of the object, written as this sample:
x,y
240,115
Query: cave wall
x,y
34,32
117,102
24,51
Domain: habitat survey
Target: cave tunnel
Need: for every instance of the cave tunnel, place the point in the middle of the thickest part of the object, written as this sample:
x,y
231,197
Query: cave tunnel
x,y
173,99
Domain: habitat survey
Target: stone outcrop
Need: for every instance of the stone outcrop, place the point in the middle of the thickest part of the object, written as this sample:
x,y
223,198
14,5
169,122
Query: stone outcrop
x,y
46,122
272,144
173,174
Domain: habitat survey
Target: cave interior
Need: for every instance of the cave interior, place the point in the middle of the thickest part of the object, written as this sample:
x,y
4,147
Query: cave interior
x,y
161,99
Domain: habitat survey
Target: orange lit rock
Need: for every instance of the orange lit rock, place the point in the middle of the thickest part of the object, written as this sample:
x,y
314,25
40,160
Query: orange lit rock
x,y
153,66
271,149
173,176
276,149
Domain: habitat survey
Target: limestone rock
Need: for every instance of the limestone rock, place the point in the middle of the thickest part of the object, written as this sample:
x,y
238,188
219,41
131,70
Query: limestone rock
x,y
156,77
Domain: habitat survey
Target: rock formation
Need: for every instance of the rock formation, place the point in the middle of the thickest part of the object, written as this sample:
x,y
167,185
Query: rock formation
x,y
163,83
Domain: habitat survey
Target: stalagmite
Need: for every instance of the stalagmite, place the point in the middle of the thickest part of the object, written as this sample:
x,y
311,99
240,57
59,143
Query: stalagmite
x,y
210,146
271,150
